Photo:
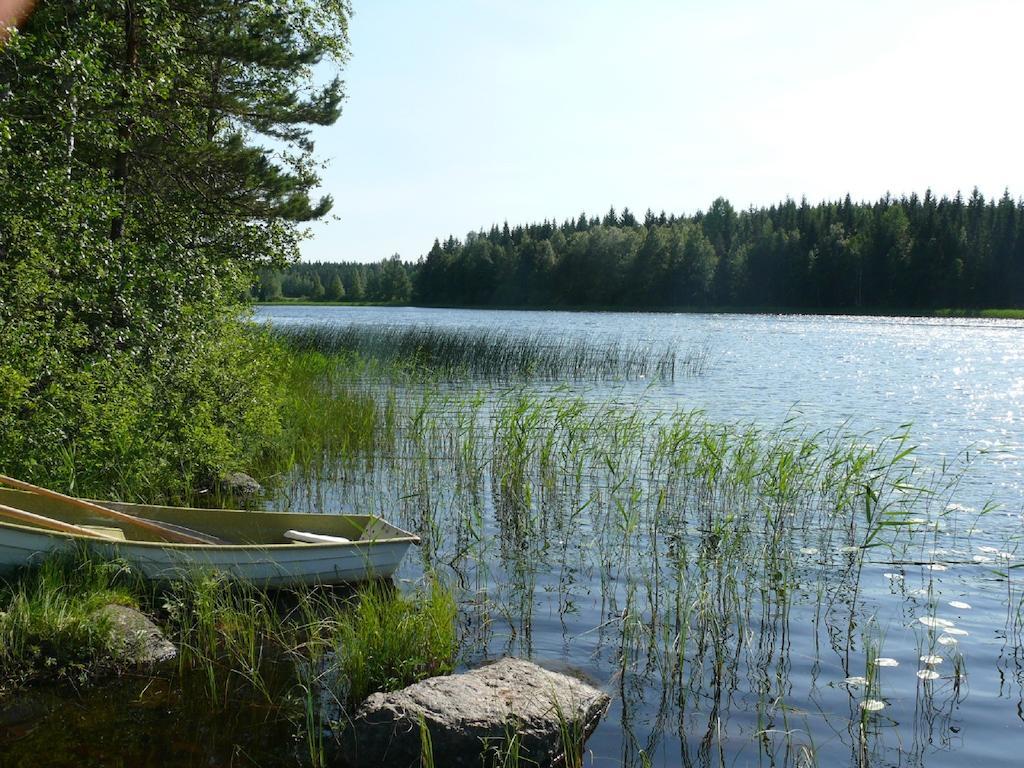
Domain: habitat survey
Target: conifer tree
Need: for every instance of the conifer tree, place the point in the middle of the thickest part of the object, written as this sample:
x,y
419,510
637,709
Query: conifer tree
x,y
335,290
317,290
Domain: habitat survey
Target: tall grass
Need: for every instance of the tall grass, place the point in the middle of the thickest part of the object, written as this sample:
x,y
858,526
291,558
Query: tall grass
x,y
372,639
694,538
387,641
498,354
52,624
305,655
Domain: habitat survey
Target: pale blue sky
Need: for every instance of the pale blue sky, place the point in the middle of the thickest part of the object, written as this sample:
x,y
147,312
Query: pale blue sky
x,y
464,113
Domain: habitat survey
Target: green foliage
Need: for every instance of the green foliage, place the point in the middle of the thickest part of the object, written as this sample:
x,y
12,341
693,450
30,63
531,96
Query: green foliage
x,y
50,626
336,290
395,283
318,422
376,639
482,353
140,197
131,427
389,281
910,253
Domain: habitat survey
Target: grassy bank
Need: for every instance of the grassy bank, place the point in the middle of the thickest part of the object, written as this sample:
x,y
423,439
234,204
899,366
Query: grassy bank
x,y
314,303
896,311
308,654
995,314
52,624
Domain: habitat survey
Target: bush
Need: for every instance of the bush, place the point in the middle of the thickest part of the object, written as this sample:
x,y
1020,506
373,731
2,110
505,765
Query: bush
x,y
159,428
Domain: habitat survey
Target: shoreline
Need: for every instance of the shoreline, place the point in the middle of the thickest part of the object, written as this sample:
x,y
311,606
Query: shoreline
x,y
983,314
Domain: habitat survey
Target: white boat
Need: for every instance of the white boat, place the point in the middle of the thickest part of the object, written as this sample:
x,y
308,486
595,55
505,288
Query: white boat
x,y
271,549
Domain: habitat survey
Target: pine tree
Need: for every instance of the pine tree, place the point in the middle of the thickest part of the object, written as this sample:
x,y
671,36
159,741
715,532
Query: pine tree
x,y
395,285
335,290
357,288
153,156
317,291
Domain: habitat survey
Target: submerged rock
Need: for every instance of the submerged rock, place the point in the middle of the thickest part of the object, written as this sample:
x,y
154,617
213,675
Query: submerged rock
x,y
472,718
142,638
238,485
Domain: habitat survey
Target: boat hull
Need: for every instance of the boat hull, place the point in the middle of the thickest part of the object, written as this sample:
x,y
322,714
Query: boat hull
x,y
270,564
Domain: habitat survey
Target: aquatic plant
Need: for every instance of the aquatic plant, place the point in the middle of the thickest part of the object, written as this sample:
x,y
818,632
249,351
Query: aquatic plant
x,y
497,354
385,640
694,539
374,639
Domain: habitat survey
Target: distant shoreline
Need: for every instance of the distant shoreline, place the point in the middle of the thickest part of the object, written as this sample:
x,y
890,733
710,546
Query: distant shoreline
x,y
987,314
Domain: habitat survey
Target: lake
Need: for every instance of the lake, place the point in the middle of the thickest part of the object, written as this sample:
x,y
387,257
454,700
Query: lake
x,y
802,551
958,382
768,683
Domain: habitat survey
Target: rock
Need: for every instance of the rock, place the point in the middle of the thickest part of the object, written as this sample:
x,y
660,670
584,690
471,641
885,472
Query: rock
x,y
144,640
238,485
470,718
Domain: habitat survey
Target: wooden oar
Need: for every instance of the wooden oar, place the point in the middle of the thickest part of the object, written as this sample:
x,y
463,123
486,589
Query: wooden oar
x,y
166,533
49,523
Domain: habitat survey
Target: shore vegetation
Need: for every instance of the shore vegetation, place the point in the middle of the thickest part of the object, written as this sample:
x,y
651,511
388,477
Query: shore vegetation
x,y
152,158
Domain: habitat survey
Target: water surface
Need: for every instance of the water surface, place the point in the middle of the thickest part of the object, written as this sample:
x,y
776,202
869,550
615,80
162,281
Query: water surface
x,y
717,648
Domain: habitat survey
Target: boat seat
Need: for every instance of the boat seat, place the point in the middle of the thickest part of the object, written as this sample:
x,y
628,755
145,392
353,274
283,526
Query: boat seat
x,y
304,537
107,531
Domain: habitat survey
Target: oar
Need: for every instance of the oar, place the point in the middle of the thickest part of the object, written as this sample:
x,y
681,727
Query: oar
x,y
166,533
48,522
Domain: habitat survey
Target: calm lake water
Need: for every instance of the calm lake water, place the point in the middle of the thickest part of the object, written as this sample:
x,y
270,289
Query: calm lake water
x,y
773,689
959,383
717,651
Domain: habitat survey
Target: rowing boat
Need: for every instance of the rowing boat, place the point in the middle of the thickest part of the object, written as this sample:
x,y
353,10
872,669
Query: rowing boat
x,y
272,549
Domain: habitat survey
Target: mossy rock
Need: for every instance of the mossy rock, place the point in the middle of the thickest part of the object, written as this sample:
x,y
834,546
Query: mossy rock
x,y
142,640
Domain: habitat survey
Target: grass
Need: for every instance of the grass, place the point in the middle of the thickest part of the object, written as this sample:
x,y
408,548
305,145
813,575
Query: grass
x,y
52,627
999,314
695,538
307,655
386,641
497,354
374,638
313,654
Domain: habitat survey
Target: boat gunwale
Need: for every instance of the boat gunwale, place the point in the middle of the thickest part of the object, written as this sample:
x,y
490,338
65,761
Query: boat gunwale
x,y
408,537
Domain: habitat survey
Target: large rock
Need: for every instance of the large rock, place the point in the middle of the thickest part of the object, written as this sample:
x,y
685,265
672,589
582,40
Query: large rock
x,y
142,639
471,717
238,485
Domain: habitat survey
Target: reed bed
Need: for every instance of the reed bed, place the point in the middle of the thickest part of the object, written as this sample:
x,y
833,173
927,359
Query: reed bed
x,y
498,354
695,541
372,638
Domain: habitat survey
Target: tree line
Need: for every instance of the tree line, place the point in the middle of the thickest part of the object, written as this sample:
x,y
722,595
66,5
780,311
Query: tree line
x,y
389,281
915,253
909,253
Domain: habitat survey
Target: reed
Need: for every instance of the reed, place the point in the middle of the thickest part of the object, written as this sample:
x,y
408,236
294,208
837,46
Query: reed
x,y
497,354
694,538
385,641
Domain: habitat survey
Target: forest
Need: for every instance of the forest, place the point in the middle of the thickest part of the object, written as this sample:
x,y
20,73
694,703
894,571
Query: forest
x,y
911,253
389,281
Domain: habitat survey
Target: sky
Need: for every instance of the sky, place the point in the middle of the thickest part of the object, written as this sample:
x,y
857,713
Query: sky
x,y
461,114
